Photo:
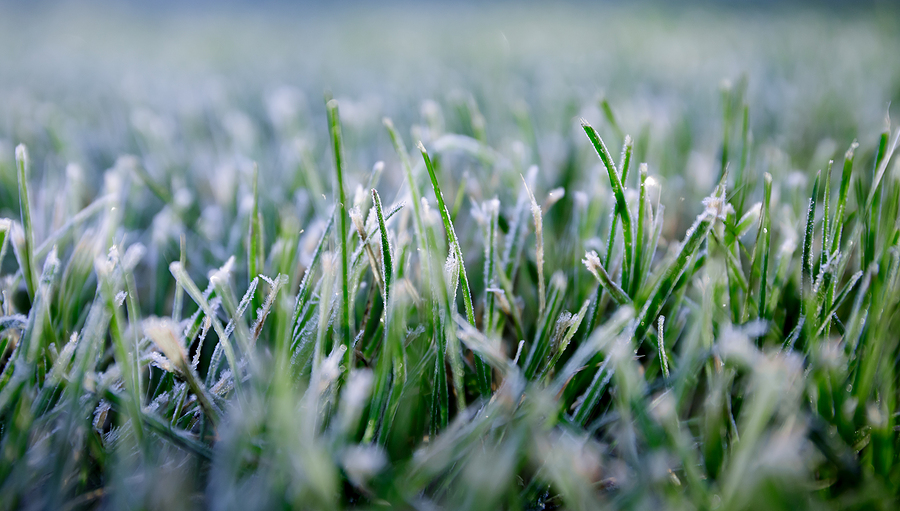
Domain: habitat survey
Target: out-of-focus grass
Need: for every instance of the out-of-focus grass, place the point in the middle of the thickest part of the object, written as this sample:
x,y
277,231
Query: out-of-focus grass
x,y
621,269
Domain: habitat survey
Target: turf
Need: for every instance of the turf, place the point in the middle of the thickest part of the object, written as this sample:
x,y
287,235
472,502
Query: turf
x,y
603,277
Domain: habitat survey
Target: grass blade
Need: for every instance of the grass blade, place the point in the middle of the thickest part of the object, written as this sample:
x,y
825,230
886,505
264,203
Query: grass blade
x,y
663,287
538,248
593,264
619,192
453,243
337,142
27,253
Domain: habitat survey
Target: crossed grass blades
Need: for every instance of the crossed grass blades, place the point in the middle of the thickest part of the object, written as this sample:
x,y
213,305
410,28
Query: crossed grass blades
x,y
750,363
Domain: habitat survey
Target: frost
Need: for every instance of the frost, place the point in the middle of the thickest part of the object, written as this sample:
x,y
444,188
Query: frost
x,y
162,332
592,262
451,273
357,390
716,206
362,462
133,256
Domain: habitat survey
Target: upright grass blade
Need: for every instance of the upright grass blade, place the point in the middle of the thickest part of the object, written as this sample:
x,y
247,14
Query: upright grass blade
x,y
563,336
741,180
440,399
614,217
538,248
760,263
27,261
334,123
386,360
807,256
5,229
887,147
35,337
661,346
641,220
621,204
826,217
387,267
126,357
255,255
178,301
400,149
518,230
491,210
453,243
540,346
837,225
611,118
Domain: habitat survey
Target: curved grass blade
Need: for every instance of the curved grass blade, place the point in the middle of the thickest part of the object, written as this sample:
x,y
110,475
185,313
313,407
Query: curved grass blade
x,y
453,242
619,192
592,262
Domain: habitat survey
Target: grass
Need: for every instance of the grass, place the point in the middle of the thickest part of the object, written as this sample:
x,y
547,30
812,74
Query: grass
x,y
273,304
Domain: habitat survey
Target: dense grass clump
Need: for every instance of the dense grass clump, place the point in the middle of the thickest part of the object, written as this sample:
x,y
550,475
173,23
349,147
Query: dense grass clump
x,y
524,296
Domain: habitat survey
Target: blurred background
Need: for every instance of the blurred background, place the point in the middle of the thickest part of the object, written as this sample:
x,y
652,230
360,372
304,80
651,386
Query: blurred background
x,y
195,89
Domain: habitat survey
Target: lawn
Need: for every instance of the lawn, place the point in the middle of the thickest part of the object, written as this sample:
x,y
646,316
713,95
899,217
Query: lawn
x,y
444,256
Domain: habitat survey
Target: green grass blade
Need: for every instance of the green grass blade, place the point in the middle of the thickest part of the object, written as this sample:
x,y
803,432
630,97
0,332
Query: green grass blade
x,y
669,276
661,346
400,149
593,264
453,243
571,326
621,203
255,255
5,231
337,142
27,252
611,118
826,216
387,267
838,224
760,262
491,209
807,255
637,278
540,346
